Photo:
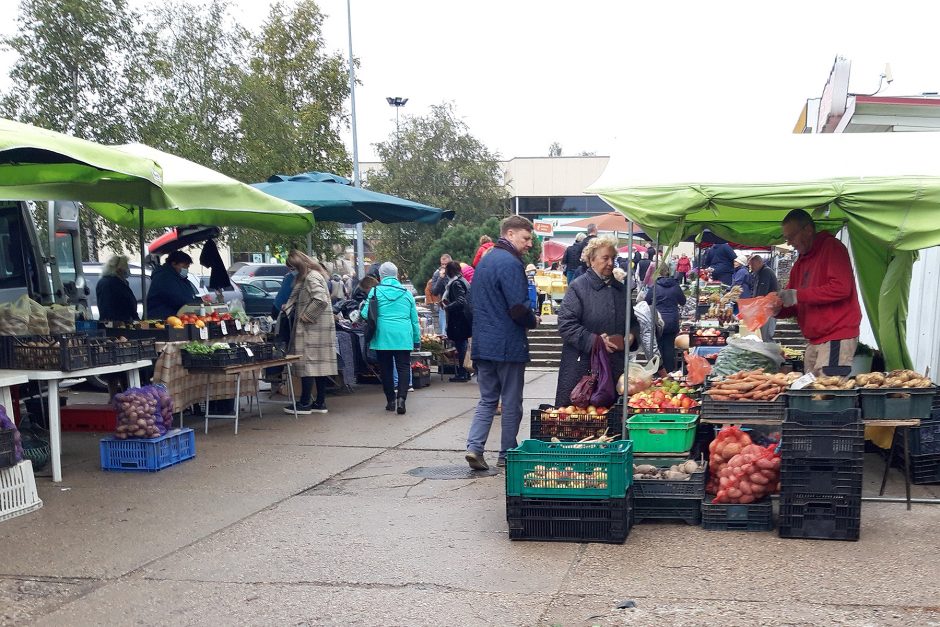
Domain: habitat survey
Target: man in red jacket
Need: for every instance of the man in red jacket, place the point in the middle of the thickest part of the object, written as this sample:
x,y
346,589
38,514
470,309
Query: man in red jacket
x,y
821,294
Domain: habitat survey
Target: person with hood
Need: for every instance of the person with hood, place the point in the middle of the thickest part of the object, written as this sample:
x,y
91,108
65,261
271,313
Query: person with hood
x,y
594,306
116,300
397,333
721,262
456,303
571,258
486,243
313,332
169,288
742,276
669,298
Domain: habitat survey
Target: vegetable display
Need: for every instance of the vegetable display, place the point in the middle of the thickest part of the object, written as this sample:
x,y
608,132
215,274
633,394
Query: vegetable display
x,y
145,412
741,471
746,354
565,477
752,385
676,472
832,383
893,379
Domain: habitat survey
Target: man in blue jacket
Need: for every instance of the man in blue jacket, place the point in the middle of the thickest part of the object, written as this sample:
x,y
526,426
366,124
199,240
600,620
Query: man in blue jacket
x,y
501,316
722,262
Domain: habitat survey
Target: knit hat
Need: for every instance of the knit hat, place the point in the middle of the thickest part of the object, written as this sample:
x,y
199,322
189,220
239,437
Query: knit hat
x,y
388,269
741,258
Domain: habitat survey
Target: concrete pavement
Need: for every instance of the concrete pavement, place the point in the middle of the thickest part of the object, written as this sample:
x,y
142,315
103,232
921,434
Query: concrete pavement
x,y
316,522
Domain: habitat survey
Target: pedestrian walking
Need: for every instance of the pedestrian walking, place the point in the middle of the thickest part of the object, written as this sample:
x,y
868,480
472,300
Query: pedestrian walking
x,y
313,332
397,333
500,350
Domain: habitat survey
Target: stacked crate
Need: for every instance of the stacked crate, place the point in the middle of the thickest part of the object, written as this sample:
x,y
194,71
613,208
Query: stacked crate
x,y
569,491
821,474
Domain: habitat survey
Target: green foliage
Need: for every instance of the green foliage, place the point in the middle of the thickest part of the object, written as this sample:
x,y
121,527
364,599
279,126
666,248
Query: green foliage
x,y
436,161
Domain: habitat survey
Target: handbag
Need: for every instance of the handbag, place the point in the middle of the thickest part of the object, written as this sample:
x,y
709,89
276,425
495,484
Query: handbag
x,y
583,392
372,320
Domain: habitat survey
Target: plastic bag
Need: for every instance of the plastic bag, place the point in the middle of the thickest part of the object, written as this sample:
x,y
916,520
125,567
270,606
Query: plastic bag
x,y
6,424
38,320
748,354
699,368
145,412
641,377
741,471
755,312
604,388
61,319
14,320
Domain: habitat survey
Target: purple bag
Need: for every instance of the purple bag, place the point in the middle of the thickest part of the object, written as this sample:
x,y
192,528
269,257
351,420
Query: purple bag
x,y
600,365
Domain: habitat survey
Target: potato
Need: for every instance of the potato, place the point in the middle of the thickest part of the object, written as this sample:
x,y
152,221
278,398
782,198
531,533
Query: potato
x,y
690,466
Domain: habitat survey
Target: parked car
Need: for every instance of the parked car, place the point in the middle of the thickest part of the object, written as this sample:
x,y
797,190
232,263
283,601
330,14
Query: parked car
x,y
268,284
252,270
257,301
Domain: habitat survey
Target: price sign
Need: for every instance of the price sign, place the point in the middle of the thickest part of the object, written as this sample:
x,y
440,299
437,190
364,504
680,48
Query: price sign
x,y
203,333
224,328
248,350
238,325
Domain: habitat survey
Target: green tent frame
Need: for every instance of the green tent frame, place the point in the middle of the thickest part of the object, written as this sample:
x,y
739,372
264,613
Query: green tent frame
x,y
889,217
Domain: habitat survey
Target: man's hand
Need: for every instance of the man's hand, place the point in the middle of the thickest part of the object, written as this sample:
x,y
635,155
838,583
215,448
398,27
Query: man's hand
x,y
788,297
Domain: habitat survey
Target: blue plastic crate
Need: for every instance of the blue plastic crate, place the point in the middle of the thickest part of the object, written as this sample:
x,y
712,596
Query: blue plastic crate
x,y
148,455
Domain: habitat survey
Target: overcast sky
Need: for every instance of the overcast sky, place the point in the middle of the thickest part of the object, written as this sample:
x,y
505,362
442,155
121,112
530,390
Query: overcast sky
x,y
593,74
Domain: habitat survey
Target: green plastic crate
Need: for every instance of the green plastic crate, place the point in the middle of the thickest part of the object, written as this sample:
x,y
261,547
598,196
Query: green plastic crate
x,y
569,470
822,400
896,403
662,433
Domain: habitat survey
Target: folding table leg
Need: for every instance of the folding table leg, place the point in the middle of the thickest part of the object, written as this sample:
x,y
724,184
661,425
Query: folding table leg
x,y
238,398
907,464
290,386
258,392
206,411
55,430
884,478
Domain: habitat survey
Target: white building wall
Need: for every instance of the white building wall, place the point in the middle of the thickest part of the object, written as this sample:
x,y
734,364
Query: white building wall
x,y
923,315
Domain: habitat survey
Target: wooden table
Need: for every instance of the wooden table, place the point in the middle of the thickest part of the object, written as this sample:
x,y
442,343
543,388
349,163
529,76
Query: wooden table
x,y
237,371
53,377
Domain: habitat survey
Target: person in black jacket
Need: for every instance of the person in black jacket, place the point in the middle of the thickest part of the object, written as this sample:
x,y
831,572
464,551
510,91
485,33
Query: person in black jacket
x,y
763,282
170,289
669,297
582,267
572,258
116,300
456,302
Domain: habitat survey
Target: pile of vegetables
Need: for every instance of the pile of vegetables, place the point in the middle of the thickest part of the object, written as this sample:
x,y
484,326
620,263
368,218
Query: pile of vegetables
x,y
741,471
565,478
893,379
145,412
832,383
747,354
676,472
199,348
751,385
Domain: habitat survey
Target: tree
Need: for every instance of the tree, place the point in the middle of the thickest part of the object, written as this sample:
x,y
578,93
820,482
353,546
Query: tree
x,y
79,70
554,150
439,163
292,111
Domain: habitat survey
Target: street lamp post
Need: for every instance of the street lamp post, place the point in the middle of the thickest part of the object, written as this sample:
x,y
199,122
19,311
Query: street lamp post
x,y
398,102
360,240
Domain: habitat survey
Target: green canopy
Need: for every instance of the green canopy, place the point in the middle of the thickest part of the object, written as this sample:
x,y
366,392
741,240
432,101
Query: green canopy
x,y
885,188
38,164
197,195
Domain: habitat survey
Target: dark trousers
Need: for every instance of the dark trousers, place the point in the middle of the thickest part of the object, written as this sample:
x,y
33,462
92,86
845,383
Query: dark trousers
x,y
667,350
389,360
461,346
306,389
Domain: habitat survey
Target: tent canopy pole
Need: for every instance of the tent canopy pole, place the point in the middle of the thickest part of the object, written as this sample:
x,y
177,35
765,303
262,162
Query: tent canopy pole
x,y
143,262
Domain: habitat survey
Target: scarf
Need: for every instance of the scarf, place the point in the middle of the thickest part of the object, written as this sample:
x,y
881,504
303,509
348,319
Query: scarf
x,y
505,244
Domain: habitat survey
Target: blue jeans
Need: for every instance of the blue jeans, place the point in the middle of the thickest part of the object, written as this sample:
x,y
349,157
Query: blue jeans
x,y
497,379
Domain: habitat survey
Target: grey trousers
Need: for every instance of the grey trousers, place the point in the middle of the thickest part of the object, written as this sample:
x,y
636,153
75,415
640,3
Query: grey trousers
x,y
497,379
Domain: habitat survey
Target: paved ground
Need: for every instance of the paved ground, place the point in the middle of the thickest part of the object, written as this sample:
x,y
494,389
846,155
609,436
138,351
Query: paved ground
x,y
317,523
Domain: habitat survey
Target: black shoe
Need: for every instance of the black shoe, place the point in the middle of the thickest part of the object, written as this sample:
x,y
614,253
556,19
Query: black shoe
x,y
302,409
400,404
460,378
318,408
390,406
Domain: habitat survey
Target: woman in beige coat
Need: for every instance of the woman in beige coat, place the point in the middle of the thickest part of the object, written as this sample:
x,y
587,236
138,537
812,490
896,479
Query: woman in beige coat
x,y
313,334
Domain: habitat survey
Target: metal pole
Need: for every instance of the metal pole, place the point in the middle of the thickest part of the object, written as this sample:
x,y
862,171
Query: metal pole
x,y
656,270
143,262
626,334
360,244
698,268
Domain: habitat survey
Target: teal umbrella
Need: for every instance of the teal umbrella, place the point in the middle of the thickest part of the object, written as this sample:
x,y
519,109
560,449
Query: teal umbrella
x,y
332,198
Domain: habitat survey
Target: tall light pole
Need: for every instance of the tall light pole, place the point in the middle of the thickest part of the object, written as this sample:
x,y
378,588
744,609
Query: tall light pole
x,y
360,245
398,102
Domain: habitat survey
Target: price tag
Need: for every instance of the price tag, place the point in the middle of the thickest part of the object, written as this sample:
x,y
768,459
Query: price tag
x,y
224,328
203,333
248,350
238,325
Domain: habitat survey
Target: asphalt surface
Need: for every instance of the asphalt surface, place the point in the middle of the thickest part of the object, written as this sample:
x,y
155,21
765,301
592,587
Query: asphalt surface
x,y
317,522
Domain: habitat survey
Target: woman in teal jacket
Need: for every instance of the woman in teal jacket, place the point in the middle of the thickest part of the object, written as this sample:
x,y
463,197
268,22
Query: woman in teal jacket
x,y
396,333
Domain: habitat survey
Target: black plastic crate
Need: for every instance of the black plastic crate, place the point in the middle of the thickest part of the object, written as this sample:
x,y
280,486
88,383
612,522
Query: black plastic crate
x,y
842,478
758,516
708,340
925,469
896,403
820,518
419,381
544,426
660,488
101,352
744,411
219,358
147,348
658,509
64,352
7,448
823,436
263,351
925,439
822,400
127,351
570,520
